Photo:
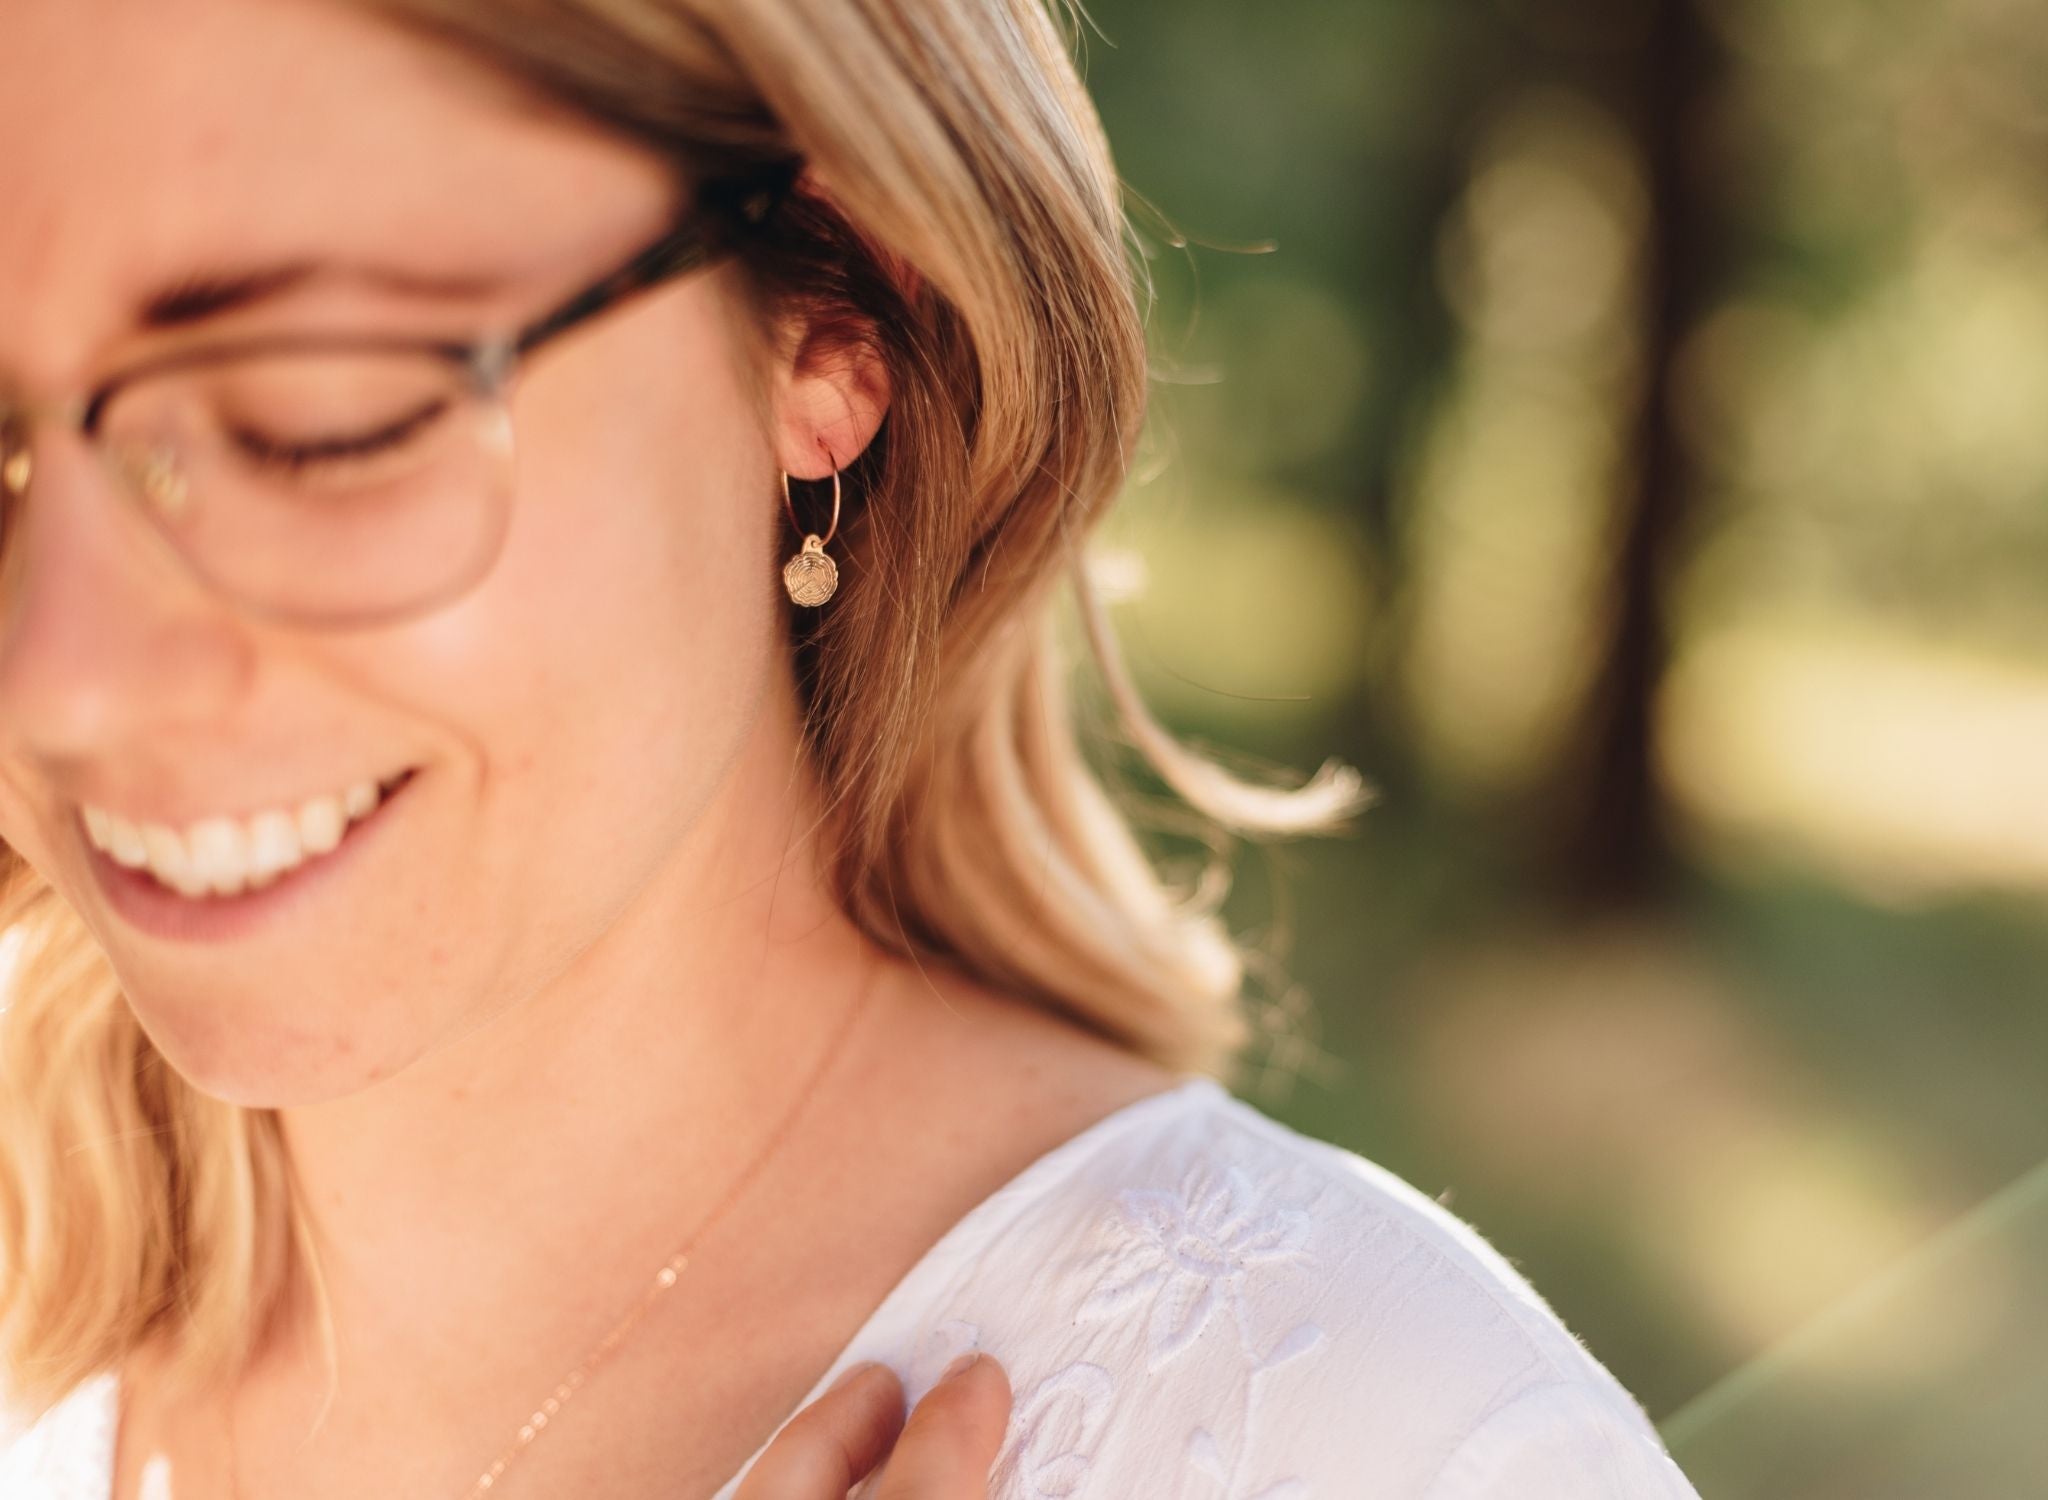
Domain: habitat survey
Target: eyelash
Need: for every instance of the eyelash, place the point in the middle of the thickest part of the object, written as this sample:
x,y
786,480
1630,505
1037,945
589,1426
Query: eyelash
x,y
298,457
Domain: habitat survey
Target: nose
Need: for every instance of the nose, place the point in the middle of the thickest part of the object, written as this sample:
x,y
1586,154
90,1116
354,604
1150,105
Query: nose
x,y
105,639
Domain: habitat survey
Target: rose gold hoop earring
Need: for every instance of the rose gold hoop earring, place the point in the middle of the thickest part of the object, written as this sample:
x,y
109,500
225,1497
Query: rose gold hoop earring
x,y
811,576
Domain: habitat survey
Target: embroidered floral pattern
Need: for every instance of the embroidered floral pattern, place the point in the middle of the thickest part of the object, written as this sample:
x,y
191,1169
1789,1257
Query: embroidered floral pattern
x,y
1180,1260
1188,1255
1226,1470
1054,1428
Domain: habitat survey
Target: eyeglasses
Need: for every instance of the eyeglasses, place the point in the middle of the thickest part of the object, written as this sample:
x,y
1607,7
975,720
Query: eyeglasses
x,y
338,481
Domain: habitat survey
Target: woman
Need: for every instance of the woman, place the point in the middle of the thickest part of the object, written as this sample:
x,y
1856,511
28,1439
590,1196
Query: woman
x,y
529,972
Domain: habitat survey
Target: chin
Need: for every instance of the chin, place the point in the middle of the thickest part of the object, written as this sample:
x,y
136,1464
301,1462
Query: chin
x,y
259,1061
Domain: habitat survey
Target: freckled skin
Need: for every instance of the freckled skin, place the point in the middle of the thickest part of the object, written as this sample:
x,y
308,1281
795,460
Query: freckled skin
x,y
574,716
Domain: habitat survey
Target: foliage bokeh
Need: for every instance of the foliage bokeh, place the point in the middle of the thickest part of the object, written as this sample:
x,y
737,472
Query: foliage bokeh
x,y
1621,427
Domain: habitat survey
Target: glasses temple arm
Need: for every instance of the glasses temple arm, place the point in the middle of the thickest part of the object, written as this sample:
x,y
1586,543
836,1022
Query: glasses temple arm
x,y
709,227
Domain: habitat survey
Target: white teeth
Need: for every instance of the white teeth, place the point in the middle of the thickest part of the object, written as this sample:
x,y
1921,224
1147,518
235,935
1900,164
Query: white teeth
x,y
124,843
320,824
219,853
223,856
169,862
273,846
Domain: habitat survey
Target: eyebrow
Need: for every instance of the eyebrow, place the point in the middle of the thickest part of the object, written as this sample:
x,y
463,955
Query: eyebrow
x,y
200,295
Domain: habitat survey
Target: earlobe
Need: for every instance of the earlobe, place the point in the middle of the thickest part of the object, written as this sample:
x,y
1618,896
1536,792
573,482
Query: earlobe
x,y
832,404
833,399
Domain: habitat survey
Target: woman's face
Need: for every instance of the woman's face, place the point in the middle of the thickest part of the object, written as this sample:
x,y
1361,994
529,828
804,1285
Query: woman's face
x,y
567,720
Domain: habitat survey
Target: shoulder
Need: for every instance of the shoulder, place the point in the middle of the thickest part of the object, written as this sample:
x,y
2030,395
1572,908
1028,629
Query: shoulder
x,y
1193,1289
66,1453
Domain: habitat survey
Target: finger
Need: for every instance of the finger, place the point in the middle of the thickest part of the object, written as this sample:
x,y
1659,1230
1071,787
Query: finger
x,y
823,1450
950,1441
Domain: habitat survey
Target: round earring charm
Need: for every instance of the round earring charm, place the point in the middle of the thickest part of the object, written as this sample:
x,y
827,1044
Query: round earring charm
x,y
810,576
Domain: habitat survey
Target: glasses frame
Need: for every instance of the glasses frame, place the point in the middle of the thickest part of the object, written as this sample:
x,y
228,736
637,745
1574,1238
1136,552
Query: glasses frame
x,y
720,215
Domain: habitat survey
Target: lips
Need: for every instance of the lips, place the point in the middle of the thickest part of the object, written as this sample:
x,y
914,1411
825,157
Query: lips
x,y
148,905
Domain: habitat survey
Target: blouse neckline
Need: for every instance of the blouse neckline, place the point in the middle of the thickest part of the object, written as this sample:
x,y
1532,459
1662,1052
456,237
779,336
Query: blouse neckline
x,y
972,1230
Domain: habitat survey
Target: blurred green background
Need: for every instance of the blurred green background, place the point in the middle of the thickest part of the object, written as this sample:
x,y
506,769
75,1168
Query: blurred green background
x,y
1632,452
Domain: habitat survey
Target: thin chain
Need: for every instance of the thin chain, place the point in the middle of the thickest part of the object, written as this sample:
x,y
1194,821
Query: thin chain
x,y
666,1277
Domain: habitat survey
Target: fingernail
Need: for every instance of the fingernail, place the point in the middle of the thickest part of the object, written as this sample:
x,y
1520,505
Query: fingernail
x,y
961,1363
849,1374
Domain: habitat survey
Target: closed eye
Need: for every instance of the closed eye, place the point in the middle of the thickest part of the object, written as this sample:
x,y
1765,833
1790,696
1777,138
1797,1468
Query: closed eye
x,y
297,455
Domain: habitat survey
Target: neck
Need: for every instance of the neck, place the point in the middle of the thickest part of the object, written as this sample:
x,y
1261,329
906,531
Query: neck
x,y
523,1183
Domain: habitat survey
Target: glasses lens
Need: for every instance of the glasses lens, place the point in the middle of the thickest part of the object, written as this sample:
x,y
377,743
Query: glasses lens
x,y
327,485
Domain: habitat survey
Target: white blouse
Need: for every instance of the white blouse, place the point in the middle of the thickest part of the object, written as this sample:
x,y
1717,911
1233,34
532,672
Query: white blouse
x,y
1193,1302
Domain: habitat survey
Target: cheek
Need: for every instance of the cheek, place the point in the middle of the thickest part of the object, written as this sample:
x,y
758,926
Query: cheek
x,y
638,557
608,668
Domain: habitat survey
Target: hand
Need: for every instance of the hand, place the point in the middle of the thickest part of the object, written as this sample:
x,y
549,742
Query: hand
x,y
944,1453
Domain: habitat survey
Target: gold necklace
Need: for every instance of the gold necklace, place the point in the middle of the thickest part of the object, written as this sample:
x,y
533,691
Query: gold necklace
x,y
664,1278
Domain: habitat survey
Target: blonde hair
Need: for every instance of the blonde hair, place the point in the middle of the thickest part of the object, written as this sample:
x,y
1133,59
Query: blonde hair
x,y
974,225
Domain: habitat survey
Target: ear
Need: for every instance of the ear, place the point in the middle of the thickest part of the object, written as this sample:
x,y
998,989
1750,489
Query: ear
x,y
830,398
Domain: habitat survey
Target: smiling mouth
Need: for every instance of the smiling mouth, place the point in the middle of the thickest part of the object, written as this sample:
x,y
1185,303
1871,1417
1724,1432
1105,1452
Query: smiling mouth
x,y
222,857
